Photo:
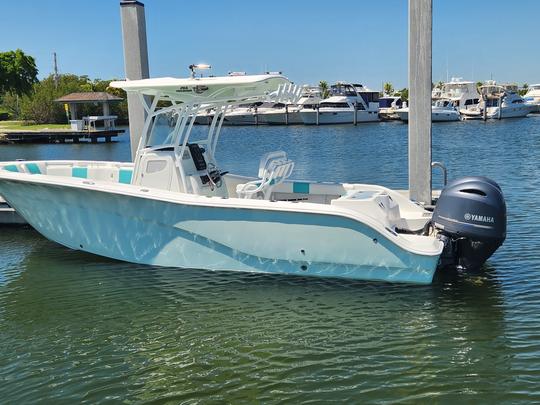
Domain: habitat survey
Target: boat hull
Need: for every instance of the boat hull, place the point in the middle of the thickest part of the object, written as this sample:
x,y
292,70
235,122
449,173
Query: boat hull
x,y
509,112
280,118
338,116
436,116
152,231
240,119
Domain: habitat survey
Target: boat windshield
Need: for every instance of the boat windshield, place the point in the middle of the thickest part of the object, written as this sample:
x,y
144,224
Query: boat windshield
x,y
162,129
386,102
370,96
342,90
442,103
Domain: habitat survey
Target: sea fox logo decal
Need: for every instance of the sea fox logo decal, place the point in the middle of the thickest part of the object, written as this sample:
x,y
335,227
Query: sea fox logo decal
x,y
479,218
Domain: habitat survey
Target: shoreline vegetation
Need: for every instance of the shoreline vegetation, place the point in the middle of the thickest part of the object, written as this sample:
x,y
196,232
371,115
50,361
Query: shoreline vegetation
x,y
25,98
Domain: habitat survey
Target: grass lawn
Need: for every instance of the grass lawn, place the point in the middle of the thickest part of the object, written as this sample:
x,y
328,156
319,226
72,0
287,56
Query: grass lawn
x,y
24,126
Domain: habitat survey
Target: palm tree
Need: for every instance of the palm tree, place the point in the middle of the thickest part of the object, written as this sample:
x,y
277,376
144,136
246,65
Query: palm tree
x,y
388,89
323,85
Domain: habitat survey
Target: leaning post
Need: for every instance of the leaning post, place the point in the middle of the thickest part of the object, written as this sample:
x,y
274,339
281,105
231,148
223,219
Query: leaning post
x,y
420,36
135,62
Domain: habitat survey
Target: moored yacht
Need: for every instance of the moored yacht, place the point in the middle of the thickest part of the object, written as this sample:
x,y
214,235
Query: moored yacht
x,y
462,94
174,206
289,113
248,114
388,106
442,110
348,103
499,101
280,107
532,97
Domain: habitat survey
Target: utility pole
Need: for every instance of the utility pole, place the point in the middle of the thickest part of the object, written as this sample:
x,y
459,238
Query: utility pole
x,y
135,62
420,79
56,77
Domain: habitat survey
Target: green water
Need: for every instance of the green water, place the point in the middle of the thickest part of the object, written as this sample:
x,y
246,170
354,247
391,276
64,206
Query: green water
x,y
77,328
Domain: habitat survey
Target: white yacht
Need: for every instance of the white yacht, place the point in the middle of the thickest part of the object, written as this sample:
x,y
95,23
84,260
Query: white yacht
x,y
248,114
463,94
442,110
532,97
282,112
349,103
388,106
174,206
289,113
499,101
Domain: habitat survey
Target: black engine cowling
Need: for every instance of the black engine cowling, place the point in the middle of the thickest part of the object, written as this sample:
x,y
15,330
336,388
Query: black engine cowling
x,y
470,216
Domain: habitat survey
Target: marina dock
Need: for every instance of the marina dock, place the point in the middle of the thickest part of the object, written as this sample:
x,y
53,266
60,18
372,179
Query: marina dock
x,y
59,136
8,216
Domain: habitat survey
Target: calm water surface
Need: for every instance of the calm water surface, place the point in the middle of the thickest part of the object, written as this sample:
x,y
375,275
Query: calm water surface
x,y
77,328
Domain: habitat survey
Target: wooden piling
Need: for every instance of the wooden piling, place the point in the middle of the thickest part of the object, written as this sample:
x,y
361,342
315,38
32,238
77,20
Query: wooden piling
x,y
420,79
135,62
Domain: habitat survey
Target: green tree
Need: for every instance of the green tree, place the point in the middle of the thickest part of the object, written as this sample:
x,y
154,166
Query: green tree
x,y
18,72
39,105
325,91
388,89
523,89
404,94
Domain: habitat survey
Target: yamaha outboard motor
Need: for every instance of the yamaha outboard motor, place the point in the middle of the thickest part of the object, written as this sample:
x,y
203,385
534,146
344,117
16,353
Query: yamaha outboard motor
x,y
470,217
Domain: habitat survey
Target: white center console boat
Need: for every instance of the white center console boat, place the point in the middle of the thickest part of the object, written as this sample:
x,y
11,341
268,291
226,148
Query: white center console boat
x,y
174,206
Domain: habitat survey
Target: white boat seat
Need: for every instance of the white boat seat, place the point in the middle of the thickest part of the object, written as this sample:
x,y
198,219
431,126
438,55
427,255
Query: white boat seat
x,y
274,168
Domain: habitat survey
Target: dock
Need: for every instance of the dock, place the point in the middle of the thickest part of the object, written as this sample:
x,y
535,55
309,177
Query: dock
x,y
59,136
8,216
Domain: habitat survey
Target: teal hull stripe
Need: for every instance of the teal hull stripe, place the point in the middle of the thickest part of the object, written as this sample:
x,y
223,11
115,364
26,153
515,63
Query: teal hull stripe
x,y
125,176
300,188
33,168
81,172
11,168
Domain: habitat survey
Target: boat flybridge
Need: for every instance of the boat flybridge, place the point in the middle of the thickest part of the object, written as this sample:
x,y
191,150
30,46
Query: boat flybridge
x,y
175,206
462,93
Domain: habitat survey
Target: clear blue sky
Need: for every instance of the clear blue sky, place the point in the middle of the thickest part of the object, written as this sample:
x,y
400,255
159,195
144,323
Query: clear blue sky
x,y
362,41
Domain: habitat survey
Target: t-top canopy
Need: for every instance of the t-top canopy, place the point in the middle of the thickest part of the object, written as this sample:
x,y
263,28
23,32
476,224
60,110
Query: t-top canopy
x,y
207,90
